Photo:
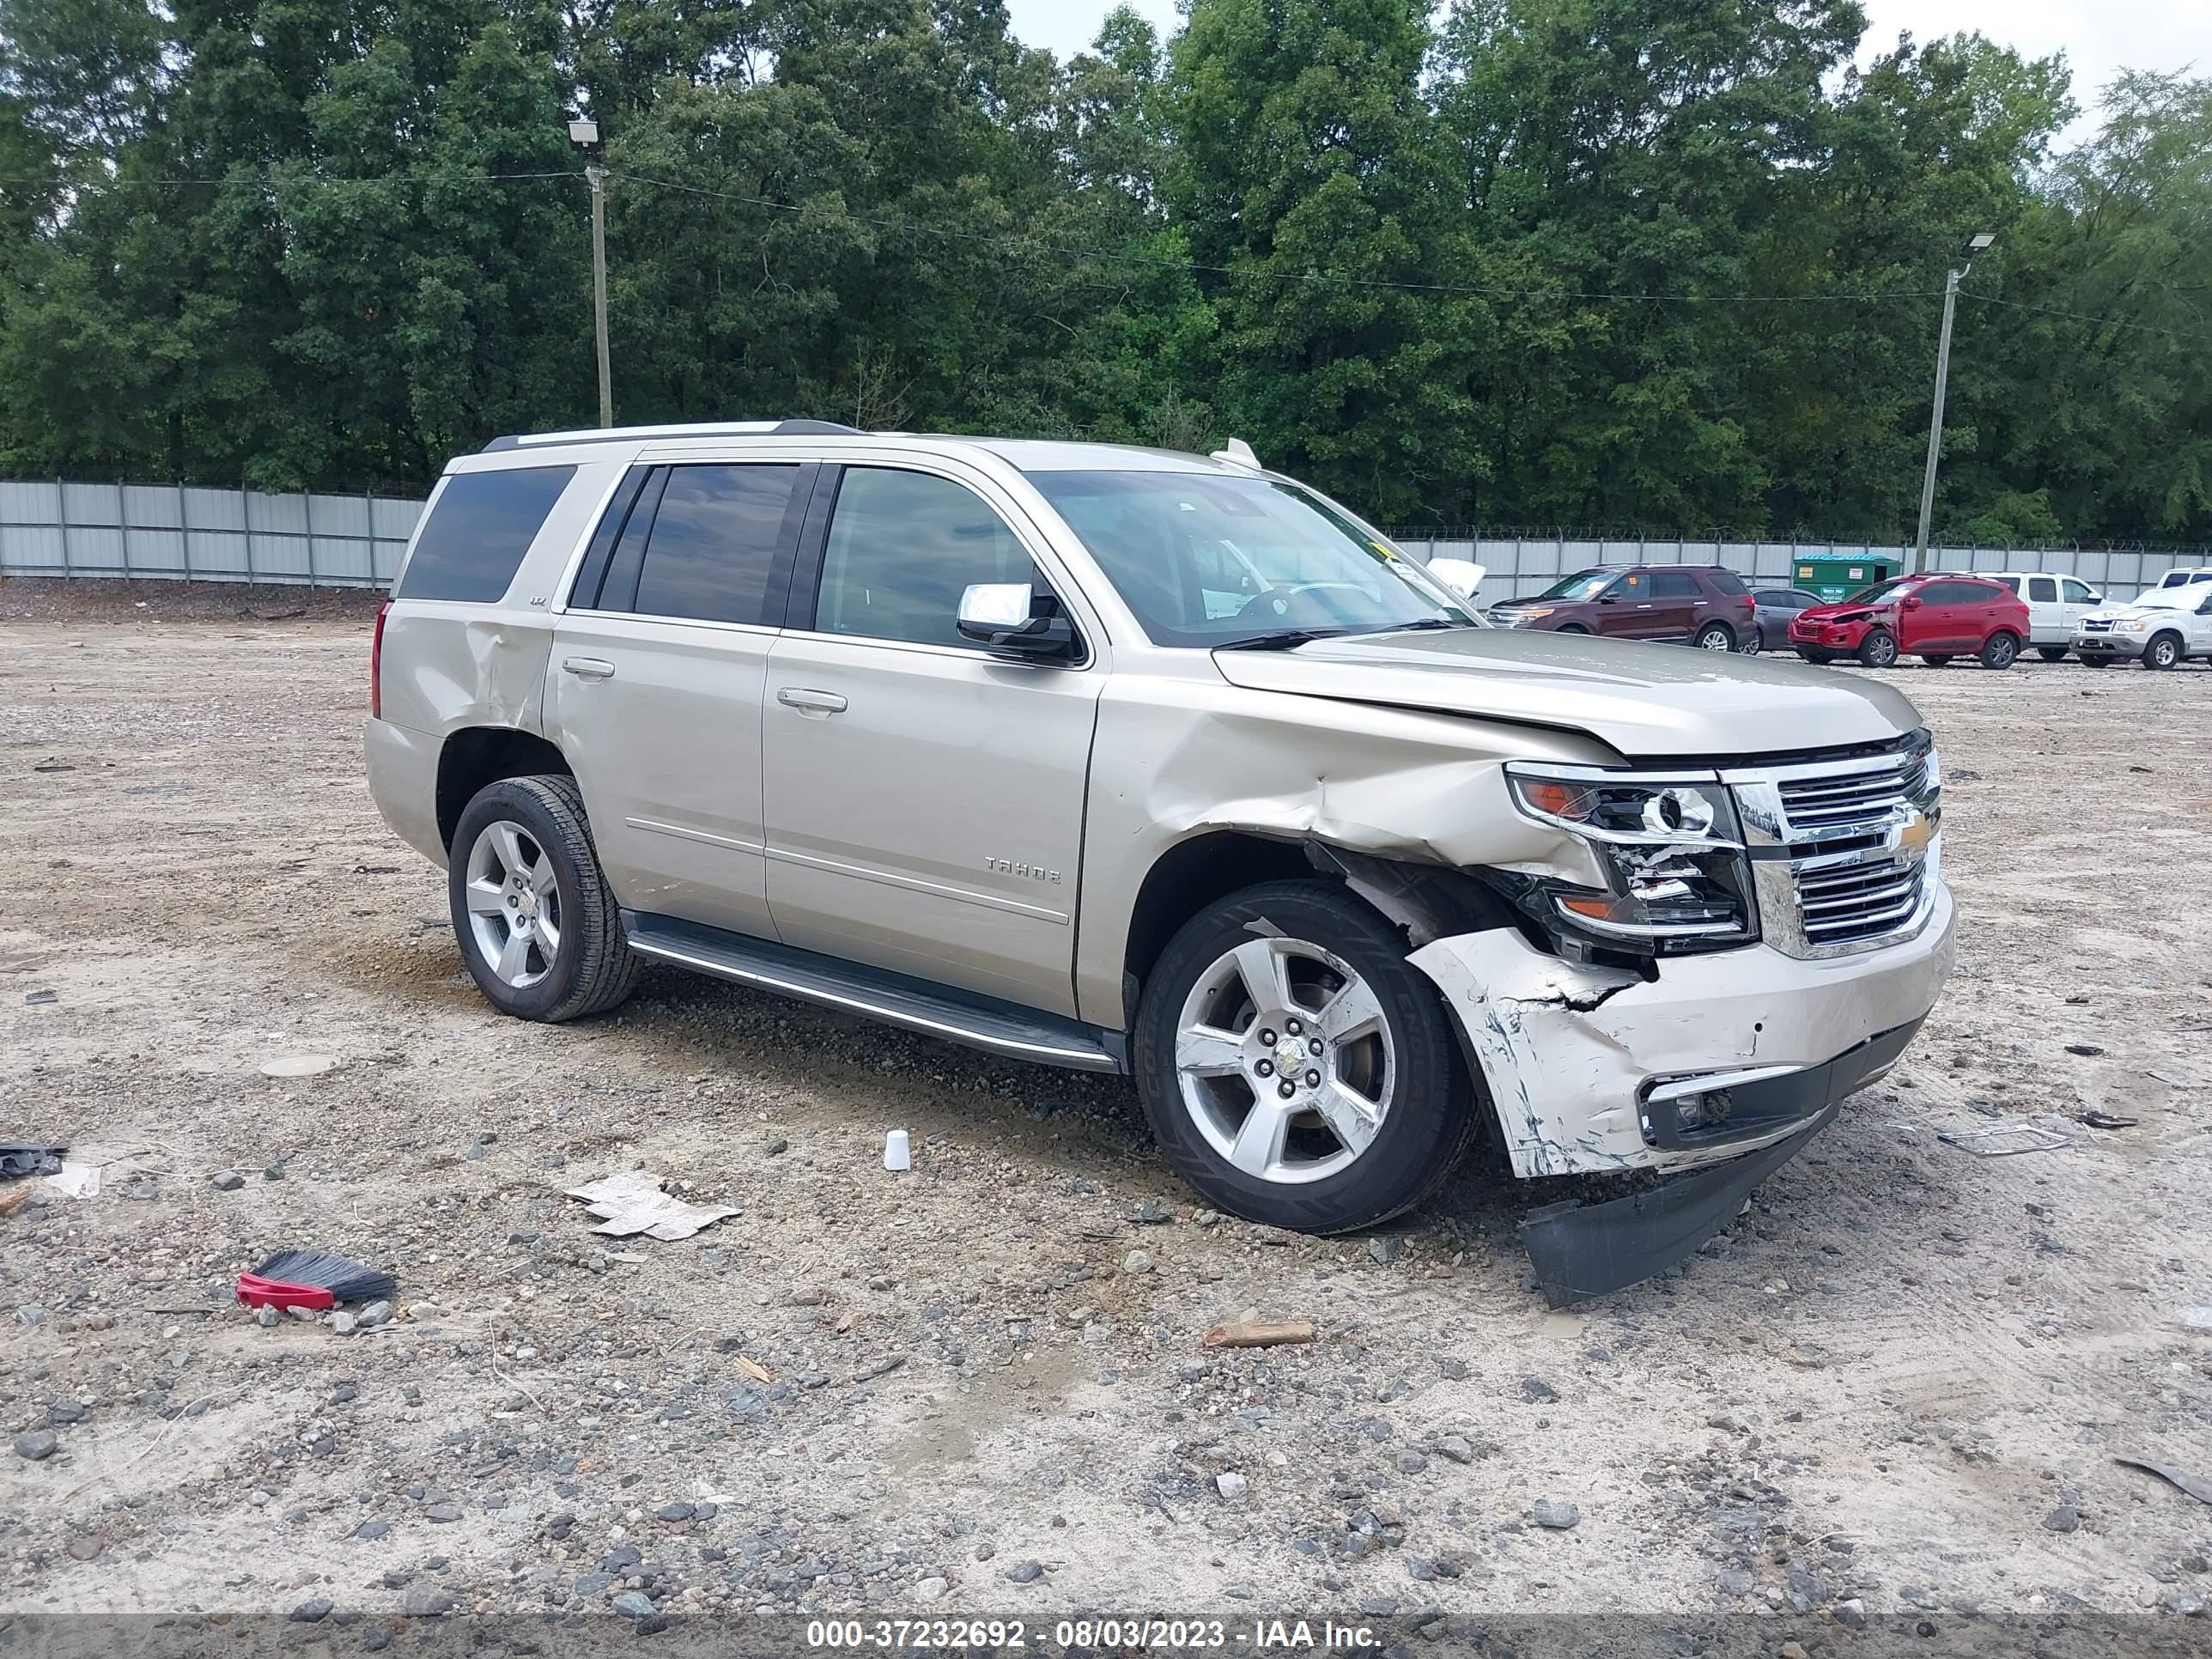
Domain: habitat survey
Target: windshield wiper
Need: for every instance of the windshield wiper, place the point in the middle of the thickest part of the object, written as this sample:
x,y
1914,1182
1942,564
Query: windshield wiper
x,y
1427,624
1288,639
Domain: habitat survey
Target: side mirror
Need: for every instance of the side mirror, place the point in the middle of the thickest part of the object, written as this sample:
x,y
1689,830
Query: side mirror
x,y
1016,619
1462,576
1608,597
1911,602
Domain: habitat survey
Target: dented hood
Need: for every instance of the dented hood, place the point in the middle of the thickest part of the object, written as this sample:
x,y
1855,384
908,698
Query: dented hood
x,y
1646,700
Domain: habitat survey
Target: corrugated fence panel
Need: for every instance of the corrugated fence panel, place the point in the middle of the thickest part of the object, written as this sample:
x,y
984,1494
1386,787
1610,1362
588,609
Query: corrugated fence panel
x,y
195,532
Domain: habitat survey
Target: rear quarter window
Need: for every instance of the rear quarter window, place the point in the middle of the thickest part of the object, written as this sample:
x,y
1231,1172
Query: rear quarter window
x,y
1725,581
478,531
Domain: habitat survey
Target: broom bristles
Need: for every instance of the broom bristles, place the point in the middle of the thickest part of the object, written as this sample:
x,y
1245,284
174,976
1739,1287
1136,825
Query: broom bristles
x,y
346,1280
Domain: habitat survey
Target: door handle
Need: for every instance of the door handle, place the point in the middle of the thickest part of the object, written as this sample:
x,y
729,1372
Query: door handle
x,y
588,668
810,702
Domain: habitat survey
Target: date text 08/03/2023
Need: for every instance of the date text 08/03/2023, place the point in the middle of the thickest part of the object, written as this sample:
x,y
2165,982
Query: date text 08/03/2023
x,y
1013,1635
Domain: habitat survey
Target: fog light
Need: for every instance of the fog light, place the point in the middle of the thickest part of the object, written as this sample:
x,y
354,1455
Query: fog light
x,y
1690,1113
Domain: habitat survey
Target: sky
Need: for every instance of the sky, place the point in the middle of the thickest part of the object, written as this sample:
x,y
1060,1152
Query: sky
x,y
2099,37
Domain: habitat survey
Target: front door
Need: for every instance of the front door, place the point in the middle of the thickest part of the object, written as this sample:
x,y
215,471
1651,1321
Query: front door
x,y
2076,600
1675,598
655,685
924,799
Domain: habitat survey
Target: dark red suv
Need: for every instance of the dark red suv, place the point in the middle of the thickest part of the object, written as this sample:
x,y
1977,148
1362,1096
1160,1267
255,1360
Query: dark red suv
x,y
1702,605
1935,616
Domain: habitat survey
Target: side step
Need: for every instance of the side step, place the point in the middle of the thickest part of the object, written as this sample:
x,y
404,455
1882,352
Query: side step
x,y
938,1010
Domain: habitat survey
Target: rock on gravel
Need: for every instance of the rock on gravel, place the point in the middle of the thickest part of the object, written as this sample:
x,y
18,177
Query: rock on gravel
x,y
932,1589
1556,1513
2064,1518
1231,1486
1025,1572
37,1446
313,1611
634,1604
227,1180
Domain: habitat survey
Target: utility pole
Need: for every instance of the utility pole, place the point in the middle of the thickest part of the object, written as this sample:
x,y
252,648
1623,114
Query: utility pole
x,y
584,136
1919,559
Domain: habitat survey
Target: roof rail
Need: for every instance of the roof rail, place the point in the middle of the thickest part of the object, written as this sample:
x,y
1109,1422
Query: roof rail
x,y
612,435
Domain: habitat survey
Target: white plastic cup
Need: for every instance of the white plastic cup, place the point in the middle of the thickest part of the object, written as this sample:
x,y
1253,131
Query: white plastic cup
x,y
898,1153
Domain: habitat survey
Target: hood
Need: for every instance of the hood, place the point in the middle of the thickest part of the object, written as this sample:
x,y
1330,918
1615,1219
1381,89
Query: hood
x,y
1647,701
2156,599
1842,610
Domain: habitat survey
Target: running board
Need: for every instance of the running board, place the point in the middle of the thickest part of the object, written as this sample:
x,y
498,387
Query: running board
x,y
916,1005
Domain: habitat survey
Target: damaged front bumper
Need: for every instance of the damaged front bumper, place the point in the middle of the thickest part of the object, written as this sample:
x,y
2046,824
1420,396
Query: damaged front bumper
x,y
1714,1074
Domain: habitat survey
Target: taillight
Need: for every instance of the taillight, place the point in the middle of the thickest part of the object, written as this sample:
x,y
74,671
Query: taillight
x,y
376,665
1749,604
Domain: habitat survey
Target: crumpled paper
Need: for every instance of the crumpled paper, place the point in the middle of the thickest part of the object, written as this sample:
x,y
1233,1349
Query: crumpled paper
x,y
632,1202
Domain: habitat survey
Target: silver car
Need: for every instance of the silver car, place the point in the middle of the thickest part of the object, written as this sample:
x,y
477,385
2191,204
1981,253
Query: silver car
x,y
1139,761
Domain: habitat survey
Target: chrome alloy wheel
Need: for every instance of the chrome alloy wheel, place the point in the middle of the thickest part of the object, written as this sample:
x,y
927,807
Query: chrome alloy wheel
x,y
514,904
1285,1060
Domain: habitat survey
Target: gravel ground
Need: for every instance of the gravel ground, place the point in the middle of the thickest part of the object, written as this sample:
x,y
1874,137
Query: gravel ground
x,y
1893,1391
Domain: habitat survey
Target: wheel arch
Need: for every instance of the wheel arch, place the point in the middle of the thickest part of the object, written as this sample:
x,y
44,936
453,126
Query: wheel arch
x,y
1423,901
478,755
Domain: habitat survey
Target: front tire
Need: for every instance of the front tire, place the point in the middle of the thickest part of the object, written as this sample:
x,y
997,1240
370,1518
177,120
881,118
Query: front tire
x,y
1715,636
2000,651
1877,649
538,928
2096,662
1298,985
2052,652
2163,652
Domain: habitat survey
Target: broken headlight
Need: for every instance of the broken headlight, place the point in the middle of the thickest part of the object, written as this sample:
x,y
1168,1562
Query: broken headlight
x,y
1677,879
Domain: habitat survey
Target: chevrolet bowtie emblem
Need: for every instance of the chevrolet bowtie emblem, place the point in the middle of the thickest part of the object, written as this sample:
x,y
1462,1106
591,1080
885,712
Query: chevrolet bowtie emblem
x,y
1915,833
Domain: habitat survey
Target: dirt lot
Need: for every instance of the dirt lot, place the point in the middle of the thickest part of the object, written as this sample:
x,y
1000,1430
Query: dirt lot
x,y
1893,1392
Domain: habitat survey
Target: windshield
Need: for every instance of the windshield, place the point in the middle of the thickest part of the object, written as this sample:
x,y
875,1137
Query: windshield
x,y
1583,584
1882,592
1206,560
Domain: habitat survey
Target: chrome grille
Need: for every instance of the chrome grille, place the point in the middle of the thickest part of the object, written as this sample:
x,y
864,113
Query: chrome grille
x,y
1843,849
1857,903
2096,625
1840,800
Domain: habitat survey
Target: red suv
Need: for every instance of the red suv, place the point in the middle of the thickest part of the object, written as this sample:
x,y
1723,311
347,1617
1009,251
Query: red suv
x,y
1935,616
1706,605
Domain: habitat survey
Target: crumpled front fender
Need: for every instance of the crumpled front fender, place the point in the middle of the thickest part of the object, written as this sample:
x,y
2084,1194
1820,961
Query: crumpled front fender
x,y
1566,1051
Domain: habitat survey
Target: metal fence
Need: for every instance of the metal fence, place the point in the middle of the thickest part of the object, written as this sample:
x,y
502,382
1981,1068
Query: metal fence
x,y
1519,565
192,533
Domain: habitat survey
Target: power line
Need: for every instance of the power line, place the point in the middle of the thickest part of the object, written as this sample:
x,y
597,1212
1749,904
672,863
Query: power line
x,y
275,181
1319,278
2089,317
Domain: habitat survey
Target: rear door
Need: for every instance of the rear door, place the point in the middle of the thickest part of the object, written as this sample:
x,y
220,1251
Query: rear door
x,y
2047,621
925,799
657,675
1677,604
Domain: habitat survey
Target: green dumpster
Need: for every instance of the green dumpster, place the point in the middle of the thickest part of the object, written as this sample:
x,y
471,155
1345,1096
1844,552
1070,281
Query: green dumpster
x,y
1838,579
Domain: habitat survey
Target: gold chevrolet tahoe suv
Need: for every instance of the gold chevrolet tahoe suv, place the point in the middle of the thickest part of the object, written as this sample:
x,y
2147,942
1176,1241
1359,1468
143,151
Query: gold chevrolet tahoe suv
x,y
1139,761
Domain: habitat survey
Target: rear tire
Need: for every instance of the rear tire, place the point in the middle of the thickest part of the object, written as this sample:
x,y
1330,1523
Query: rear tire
x,y
1570,627
1715,636
1255,965
538,928
1936,661
2052,652
1877,649
2001,650
2163,651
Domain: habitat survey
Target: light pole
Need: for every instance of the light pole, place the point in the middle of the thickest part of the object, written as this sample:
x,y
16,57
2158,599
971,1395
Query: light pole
x,y
1936,419
584,136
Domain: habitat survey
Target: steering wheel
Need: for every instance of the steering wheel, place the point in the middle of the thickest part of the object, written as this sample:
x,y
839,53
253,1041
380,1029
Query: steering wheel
x,y
1276,602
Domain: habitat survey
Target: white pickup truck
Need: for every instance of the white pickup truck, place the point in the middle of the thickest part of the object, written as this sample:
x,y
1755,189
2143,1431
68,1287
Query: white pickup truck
x,y
2055,606
2161,627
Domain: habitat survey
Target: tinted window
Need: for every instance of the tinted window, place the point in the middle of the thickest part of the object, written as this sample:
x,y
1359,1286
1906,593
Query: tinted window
x,y
1674,585
593,570
714,543
483,523
1958,594
902,548
2044,590
2075,593
1725,581
2010,583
